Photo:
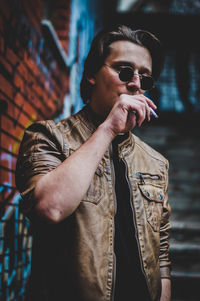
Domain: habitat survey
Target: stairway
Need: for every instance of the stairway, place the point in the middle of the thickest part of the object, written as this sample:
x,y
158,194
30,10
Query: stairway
x,y
177,137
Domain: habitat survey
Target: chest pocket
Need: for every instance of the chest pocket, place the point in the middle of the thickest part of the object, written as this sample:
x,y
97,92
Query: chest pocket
x,y
153,197
96,189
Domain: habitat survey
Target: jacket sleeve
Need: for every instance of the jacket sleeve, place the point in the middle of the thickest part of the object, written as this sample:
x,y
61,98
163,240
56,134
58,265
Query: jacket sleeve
x,y
165,264
41,150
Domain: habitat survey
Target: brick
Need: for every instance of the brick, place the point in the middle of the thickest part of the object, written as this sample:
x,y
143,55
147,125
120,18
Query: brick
x,y
12,57
33,14
5,64
23,71
11,128
62,34
26,90
2,45
6,87
7,142
19,83
18,112
37,90
33,67
37,6
60,24
8,179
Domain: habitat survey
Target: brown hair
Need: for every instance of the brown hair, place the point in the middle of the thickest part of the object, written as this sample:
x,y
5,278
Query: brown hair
x,y
100,49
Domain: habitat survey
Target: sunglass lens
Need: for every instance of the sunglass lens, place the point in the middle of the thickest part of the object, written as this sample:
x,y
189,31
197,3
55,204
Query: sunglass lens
x,y
126,74
147,82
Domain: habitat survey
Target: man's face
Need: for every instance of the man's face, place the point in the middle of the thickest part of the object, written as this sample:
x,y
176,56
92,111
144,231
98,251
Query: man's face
x,y
107,87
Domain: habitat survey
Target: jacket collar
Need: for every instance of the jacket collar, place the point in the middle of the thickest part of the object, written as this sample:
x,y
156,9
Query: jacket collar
x,y
90,118
127,145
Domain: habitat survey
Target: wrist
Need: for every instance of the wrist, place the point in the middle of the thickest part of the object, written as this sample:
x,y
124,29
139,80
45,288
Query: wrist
x,y
107,130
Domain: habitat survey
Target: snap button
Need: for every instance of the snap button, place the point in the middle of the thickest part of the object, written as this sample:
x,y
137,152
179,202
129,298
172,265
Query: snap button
x,y
99,171
160,196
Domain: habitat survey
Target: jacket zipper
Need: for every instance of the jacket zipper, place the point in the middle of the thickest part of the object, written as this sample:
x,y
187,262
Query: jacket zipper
x,y
134,221
115,208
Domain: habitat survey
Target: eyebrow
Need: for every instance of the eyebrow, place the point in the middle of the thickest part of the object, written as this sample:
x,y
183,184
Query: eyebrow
x,y
127,63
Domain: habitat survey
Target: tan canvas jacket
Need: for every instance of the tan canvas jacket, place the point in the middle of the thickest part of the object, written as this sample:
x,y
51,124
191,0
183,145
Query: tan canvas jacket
x,y
45,145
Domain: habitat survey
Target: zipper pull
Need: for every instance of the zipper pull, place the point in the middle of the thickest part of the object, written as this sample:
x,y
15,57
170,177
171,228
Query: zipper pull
x,y
140,176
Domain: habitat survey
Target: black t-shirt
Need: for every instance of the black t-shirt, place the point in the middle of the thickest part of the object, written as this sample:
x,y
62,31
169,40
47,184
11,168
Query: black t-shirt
x,y
130,280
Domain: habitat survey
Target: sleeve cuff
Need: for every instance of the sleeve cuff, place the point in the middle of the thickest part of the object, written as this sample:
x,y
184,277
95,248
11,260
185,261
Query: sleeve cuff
x,y
165,272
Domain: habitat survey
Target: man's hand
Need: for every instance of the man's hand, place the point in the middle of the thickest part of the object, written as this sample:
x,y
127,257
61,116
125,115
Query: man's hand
x,y
129,111
166,290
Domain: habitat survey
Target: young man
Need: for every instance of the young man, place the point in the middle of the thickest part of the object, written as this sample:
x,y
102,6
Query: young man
x,y
96,195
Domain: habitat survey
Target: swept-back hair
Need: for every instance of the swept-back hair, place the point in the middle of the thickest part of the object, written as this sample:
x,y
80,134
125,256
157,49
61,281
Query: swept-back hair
x,y
100,49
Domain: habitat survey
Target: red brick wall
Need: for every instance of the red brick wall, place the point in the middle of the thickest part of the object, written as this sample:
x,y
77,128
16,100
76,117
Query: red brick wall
x,y
32,82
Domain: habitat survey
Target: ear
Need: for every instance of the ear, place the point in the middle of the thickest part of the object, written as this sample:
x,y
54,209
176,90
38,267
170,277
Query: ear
x,y
91,80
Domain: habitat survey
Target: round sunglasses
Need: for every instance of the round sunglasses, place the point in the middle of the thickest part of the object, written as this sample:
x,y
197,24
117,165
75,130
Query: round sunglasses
x,y
126,74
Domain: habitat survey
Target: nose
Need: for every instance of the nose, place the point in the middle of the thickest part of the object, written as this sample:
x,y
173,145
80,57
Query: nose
x,y
135,82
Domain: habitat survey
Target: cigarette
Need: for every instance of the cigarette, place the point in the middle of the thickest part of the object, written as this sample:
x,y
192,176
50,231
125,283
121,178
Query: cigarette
x,y
153,112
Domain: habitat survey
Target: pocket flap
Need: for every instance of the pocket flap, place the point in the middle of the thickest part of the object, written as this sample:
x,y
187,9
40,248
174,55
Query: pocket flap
x,y
152,193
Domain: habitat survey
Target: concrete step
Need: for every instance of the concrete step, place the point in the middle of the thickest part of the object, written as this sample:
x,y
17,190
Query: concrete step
x,y
185,186
182,173
186,226
189,217
184,201
185,259
186,248
186,275
185,232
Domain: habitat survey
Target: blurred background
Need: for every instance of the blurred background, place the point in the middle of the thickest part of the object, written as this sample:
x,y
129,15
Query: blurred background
x,y
43,45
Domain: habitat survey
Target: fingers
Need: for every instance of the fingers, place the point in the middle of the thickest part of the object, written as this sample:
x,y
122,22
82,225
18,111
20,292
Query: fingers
x,y
151,103
150,107
129,111
142,107
140,111
139,104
